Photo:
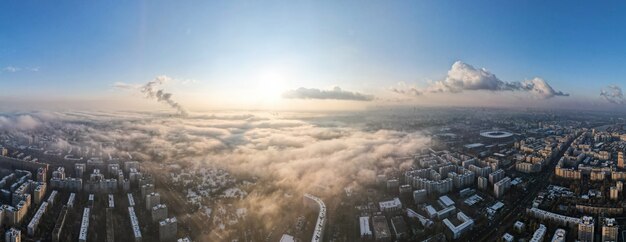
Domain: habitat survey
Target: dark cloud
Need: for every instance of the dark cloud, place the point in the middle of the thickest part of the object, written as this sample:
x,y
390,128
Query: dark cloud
x,y
336,93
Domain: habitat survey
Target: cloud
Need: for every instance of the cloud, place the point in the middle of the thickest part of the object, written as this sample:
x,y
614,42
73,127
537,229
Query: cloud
x,y
465,77
19,122
540,88
12,69
613,94
462,76
336,93
405,89
123,85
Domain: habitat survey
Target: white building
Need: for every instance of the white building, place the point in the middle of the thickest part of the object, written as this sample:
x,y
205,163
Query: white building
x,y
134,223
84,226
70,200
364,225
455,232
508,237
391,205
539,234
559,235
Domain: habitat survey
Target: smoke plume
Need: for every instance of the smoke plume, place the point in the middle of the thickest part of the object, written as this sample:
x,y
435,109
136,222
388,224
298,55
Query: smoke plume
x,y
151,90
614,95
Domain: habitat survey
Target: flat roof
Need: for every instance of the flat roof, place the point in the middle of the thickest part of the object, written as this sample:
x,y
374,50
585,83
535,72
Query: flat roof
x,y
446,201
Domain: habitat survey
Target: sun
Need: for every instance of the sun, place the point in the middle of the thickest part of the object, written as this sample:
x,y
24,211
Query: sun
x,y
271,83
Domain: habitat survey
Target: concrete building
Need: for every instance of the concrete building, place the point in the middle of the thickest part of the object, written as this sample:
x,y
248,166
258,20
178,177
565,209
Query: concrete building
x,y
147,189
539,234
620,160
111,201
393,184
381,229
13,235
34,222
168,229
391,206
71,184
586,229
456,231
559,235
152,200
39,193
507,237
610,230
84,226
419,196
131,200
400,229
53,197
79,169
553,217
430,180
500,187
134,222
441,214
445,201
528,167
59,173
364,228
58,226
613,193
483,183
159,212
519,227
496,176
284,238
405,190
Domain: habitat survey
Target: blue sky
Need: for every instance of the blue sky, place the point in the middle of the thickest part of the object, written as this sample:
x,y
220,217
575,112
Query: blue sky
x,y
79,49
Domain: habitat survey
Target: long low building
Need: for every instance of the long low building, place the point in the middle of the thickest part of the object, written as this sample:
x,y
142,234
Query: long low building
x,y
58,226
550,216
84,226
34,222
134,222
539,234
318,233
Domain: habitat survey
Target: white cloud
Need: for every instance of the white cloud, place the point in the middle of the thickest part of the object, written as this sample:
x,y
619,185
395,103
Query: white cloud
x,y
465,77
